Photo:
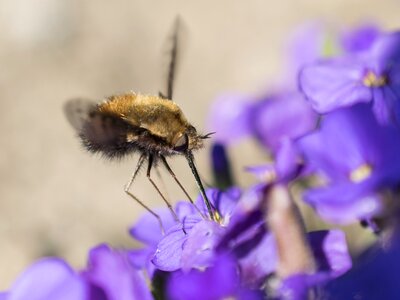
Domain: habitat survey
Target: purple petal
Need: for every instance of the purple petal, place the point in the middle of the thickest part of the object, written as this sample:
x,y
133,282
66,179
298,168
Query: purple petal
x,y
281,117
218,282
169,250
230,117
295,287
361,38
345,203
141,259
200,245
306,44
348,138
331,252
334,83
147,229
184,209
224,201
112,271
386,52
3,296
287,161
50,279
259,263
264,173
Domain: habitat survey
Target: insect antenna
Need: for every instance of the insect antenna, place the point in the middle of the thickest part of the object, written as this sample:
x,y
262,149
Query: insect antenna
x,y
129,184
149,166
179,183
190,159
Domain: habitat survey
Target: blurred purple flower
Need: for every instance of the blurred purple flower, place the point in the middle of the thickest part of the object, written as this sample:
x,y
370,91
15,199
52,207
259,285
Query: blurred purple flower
x,y
110,276
229,117
374,276
373,76
281,117
309,42
111,271
221,281
360,38
49,278
332,257
358,156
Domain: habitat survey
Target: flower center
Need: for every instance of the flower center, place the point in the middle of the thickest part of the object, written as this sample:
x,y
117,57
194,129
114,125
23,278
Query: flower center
x,y
372,80
217,217
360,173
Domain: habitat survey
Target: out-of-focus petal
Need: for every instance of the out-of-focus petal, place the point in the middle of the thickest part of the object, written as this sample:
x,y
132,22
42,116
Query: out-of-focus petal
x,y
295,288
259,263
264,173
334,83
287,161
147,229
49,279
218,282
3,296
345,203
229,117
309,42
360,38
112,271
385,52
347,139
330,251
141,259
282,117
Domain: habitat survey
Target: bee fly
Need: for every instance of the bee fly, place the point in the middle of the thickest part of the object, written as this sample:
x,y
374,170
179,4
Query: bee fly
x,y
153,126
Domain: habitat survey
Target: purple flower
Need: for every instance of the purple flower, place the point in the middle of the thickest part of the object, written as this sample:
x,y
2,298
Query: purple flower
x,y
111,271
147,230
221,281
332,259
358,158
373,76
360,38
374,276
229,117
109,276
281,117
49,279
189,244
309,42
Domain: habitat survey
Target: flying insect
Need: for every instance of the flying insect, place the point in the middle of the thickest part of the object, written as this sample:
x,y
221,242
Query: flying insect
x,y
152,126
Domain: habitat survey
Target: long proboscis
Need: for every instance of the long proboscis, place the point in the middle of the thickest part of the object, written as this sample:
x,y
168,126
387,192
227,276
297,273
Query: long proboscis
x,y
190,159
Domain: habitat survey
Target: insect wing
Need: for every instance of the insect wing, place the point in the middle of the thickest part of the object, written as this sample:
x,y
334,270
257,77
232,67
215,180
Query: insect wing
x,y
172,55
77,112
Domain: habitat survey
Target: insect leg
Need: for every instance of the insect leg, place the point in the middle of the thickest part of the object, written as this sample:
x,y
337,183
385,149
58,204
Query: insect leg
x,y
180,185
149,166
129,184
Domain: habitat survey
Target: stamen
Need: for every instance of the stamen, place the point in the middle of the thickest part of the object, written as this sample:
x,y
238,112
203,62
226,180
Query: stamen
x,y
360,173
217,217
372,80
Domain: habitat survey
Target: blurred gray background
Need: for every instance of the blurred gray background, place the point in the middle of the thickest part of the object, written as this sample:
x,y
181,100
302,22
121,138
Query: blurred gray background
x,y
56,199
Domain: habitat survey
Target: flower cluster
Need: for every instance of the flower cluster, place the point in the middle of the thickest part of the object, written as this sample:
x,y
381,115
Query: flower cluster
x,y
333,125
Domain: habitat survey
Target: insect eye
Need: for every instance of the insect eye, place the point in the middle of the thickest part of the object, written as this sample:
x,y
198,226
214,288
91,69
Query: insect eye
x,y
182,143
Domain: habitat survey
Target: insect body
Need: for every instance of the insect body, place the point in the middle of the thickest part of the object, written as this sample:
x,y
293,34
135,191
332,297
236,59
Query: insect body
x,y
132,122
152,126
